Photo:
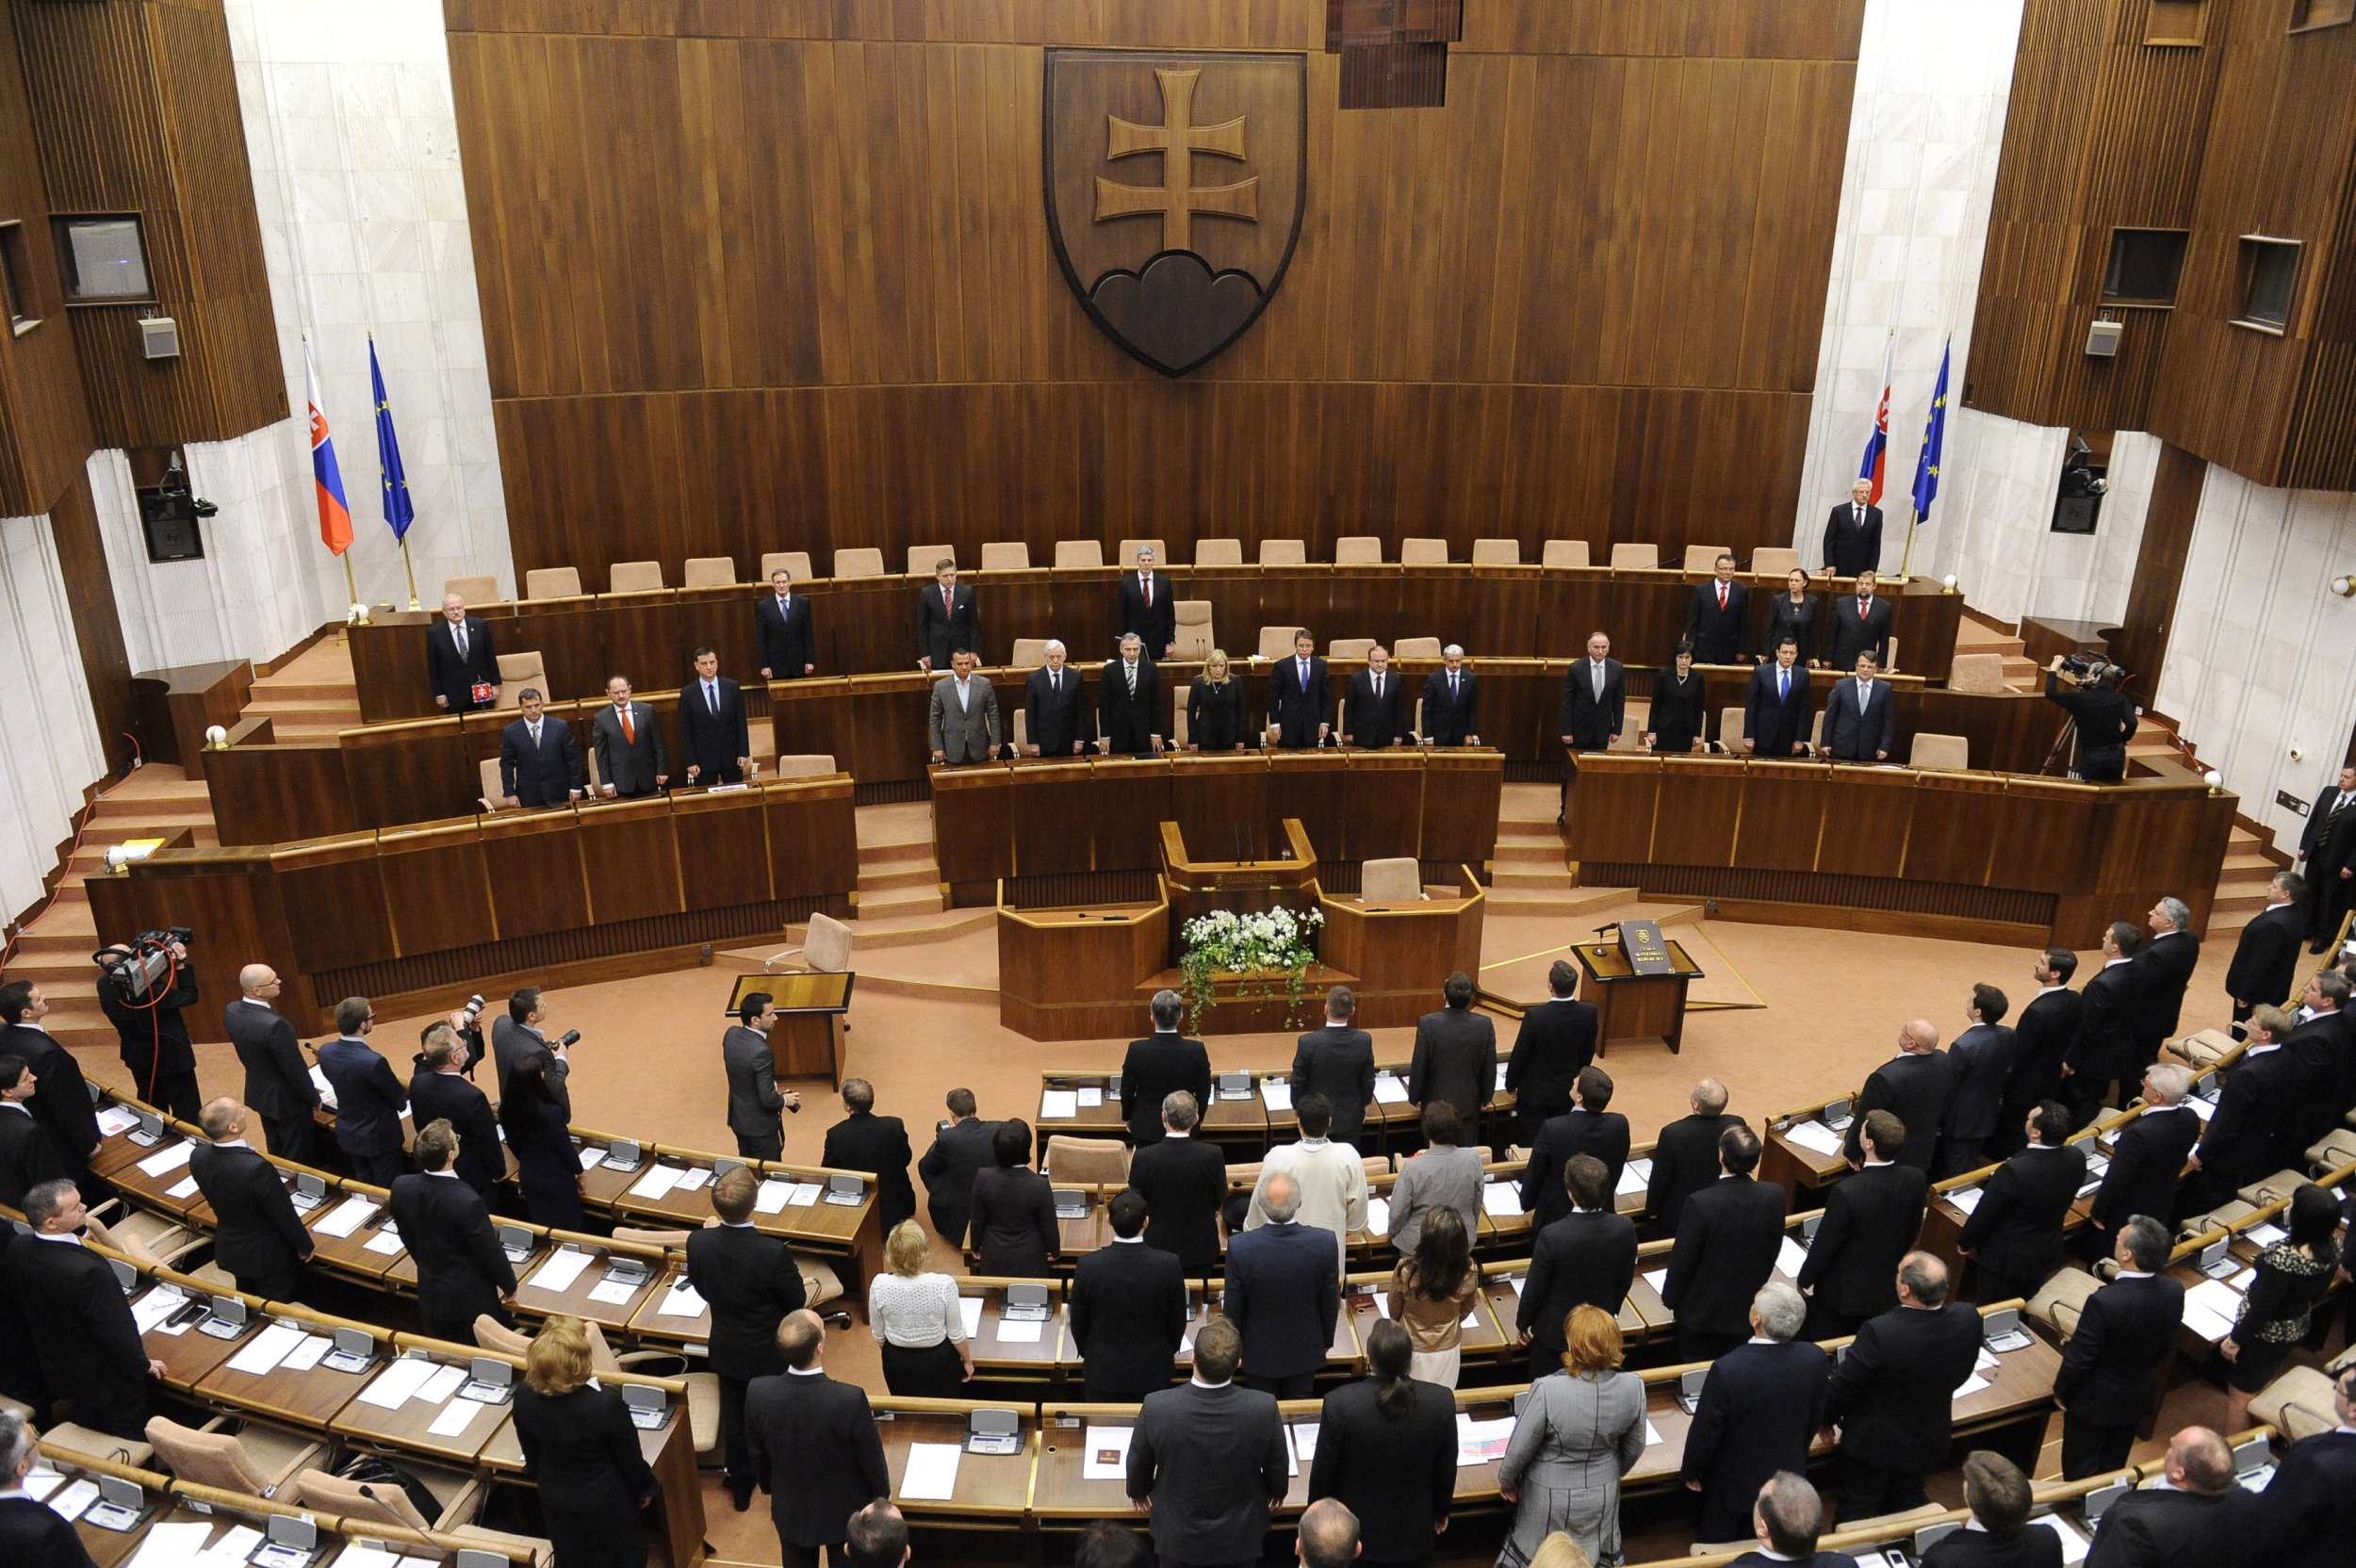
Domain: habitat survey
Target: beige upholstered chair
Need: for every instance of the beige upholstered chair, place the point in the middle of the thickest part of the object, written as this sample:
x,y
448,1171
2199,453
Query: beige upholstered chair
x,y
1029,653
634,577
252,1461
1416,648
1398,880
1497,552
1979,672
1276,642
461,1496
2298,1404
479,589
1097,1161
708,571
825,948
1633,729
2276,1188
1563,553
866,561
1946,753
517,671
68,1438
1774,560
1005,556
761,734
806,764
2203,1048
2333,1149
1219,553
1127,559
2061,1301
492,800
1730,728
1704,558
1344,647
1284,552
553,582
797,561
1423,552
1635,557
1358,549
925,560
1071,554
1177,720
1195,634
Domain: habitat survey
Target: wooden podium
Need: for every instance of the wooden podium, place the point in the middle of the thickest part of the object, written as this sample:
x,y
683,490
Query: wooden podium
x,y
1632,1009
808,1040
1289,880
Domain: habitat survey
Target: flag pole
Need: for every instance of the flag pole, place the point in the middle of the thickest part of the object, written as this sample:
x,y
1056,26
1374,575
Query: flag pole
x,y
411,570
1914,523
359,614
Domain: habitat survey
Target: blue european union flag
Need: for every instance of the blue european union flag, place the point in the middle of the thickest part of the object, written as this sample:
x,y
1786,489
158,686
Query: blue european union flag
x,y
398,510
1934,436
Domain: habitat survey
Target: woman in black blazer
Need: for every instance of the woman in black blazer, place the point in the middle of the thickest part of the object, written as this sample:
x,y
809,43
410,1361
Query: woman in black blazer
x,y
582,1453
1677,704
1386,1447
1792,614
550,1170
1014,1234
1215,708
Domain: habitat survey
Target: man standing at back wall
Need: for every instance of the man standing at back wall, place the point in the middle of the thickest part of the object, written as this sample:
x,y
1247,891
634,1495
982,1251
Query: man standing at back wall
x,y
712,733
460,663
788,649
947,620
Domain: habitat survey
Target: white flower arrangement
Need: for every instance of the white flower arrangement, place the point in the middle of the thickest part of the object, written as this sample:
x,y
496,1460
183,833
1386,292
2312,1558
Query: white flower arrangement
x,y
1278,945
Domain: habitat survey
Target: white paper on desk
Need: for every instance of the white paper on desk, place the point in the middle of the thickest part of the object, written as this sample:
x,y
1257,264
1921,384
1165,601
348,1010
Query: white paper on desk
x,y
770,1197
393,1387
115,1120
2265,1234
169,1159
1965,1199
1517,1282
266,1351
1019,1333
1379,1217
589,1158
184,1189
1058,1105
1502,1199
70,1503
306,1355
2200,1107
447,1379
1658,1279
1790,1257
1105,1455
1278,1092
693,1180
1500,1082
2216,1295
2205,1320
564,1267
1642,1166
1815,1135
804,1195
232,1549
348,1216
1090,1097
1970,1386
931,1475
680,1300
1631,1181
456,1417
39,1483
657,1183
1481,1442
614,1293
320,1081
1652,1433
149,1311
1986,1361
356,1555
2074,1544
386,1243
172,1545
1388,1090
1305,1436
970,1308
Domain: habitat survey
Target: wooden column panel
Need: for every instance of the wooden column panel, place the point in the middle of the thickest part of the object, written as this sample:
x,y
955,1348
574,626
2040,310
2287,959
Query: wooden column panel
x,y
633,861
437,888
334,898
537,881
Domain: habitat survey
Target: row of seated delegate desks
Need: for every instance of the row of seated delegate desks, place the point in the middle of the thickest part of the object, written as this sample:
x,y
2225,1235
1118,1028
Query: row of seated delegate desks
x,y
427,910
867,626
1983,857
875,727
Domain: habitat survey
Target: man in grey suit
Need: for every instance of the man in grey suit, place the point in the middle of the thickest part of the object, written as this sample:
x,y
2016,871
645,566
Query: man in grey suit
x,y
518,1036
1207,1459
278,1086
627,739
754,1099
964,721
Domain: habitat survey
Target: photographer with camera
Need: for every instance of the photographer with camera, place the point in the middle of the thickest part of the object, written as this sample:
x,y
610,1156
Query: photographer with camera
x,y
2086,687
142,987
518,1036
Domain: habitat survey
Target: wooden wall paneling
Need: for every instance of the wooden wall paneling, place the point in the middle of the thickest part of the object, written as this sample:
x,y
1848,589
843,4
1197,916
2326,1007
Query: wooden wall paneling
x,y
538,884
2141,642
1461,793
1084,615
1619,802
892,739
1052,839
722,846
814,838
2051,836
334,897
275,794
1958,830
230,899
388,666
1382,804
1701,795
1784,811
437,888
44,425
415,771
1017,602
810,717
97,624
632,861
1302,785
1866,832
978,838
1217,804
1128,802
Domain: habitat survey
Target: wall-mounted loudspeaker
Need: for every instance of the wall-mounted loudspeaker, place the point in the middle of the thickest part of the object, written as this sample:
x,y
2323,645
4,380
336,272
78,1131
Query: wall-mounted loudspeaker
x,y
2102,338
159,337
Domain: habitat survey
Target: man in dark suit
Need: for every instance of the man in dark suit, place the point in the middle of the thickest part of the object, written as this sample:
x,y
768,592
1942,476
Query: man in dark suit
x,y
1055,707
1588,1127
1760,1407
1395,1466
1148,611
1129,705
29,1155
1983,1059
539,759
32,1534
754,1104
948,621
1860,715
2324,1046
814,1444
1451,702
715,737
2014,1234
2147,1160
1774,706
1685,1157
1337,1062
1374,715
1595,709
1728,1239
2308,1508
1456,1056
1852,534
458,659
439,1091
2000,1534
1208,1458
1300,697
2266,957
1717,615
2202,1518
2108,1378
1554,1043
278,1086
63,1102
633,757
788,646
2042,1036
1586,1258
368,1098
75,1315
257,1236
2326,857
518,1035
878,1145
960,1151
2254,1130
1183,1180
1871,1222
1892,1397
1128,1309
1914,1086
153,1038
751,1284
1860,624
463,1272
1284,1286
2162,970
1159,1064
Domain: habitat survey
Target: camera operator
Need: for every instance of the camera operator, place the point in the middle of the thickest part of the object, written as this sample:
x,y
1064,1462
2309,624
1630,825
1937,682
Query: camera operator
x,y
2104,718
518,1036
146,1015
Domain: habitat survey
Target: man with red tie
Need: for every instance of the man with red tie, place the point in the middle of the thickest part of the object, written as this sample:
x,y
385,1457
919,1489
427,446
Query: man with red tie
x,y
1715,617
1860,624
946,620
1147,608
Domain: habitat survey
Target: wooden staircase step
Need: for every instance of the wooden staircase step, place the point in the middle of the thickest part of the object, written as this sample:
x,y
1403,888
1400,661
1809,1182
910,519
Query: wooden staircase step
x,y
1542,852
1515,879
873,879
913,852
899,901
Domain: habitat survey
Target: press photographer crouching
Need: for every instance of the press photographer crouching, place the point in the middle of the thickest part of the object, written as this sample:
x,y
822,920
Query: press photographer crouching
x,y
142,987
2087,687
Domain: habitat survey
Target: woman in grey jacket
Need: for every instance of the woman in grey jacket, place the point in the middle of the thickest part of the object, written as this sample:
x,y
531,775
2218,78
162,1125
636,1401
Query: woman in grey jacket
x,y
1583,1429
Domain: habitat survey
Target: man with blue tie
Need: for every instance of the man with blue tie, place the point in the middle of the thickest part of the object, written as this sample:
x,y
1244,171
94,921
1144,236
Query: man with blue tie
x,y
712,732
1860,719
789,649
1451,702
1300,697
1774,713
539,759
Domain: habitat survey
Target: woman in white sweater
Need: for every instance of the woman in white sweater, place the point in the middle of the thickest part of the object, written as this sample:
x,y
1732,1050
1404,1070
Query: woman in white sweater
x,y
914,1316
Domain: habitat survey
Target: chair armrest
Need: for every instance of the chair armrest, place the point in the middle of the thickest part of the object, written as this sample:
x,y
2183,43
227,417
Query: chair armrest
x,y
463,1507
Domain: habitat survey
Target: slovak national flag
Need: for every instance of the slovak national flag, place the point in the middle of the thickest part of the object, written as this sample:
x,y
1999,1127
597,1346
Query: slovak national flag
x,y
334,515
1877,444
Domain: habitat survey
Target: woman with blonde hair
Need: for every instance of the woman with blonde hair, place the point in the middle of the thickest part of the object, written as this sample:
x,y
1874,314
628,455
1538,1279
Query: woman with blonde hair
x,y
1581,1430
1215,708
914,1316
1559,1551
582,1452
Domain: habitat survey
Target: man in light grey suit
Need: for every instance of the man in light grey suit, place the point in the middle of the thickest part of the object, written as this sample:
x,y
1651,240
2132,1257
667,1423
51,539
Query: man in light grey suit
x,y
754,1099
964,722
627,739
1207,1459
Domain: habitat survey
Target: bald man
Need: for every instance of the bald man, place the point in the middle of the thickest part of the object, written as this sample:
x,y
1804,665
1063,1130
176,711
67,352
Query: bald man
x,y
258,1237
278,1085
1914,1085
2199,1518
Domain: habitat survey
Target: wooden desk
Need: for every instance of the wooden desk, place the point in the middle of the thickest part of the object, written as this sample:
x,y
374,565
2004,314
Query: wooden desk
x,y
992,1490
1632,1009
810,1004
